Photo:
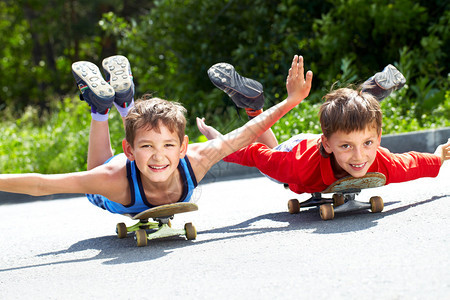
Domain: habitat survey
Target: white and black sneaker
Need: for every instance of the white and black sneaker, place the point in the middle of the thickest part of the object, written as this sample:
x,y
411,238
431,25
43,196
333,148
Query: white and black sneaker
x,y
383,83
244,92
93,87
118,74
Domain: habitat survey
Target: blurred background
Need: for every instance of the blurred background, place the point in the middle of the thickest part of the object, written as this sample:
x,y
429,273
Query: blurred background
x,y
171,44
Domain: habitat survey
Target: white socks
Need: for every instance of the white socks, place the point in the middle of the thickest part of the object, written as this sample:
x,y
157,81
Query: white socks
x,y
123,111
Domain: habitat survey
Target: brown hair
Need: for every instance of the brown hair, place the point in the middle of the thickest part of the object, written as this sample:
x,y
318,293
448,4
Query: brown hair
x,y
348,110
149,112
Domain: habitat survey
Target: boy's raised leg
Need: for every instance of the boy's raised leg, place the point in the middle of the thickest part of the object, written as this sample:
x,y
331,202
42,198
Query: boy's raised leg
x,y
383,83
245,92
100,97
118,74
99,150
93,88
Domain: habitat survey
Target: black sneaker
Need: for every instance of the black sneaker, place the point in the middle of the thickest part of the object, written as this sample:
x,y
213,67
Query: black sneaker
x,y
245,92
94,89
118,74
383,83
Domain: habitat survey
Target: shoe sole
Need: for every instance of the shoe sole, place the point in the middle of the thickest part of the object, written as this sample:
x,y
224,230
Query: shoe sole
x,y
118,68
390,78
225,77
91,75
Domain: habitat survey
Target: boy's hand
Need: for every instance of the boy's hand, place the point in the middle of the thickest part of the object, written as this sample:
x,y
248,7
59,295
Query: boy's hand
x,y
208,131
297,87
443,151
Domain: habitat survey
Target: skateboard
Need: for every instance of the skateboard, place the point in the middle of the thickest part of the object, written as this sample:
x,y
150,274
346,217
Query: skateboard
x,y
161,227
344,193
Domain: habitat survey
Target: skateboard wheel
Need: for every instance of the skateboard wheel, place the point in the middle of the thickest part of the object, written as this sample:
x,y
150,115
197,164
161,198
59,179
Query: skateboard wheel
x,y
326,212
338,199
376,204
121,230
141,238
294,206
191,232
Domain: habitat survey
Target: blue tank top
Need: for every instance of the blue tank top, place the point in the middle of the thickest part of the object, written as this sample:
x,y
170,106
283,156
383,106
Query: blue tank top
x,y
139,201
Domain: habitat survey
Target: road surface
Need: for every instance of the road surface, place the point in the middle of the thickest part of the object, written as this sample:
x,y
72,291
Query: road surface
x,y
248,247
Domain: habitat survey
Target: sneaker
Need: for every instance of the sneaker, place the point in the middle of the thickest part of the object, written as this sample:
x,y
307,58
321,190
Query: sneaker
x,y
383,83
245,92
118,74
94,89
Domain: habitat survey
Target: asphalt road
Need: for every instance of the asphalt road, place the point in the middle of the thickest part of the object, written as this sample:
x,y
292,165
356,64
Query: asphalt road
x,y
248,247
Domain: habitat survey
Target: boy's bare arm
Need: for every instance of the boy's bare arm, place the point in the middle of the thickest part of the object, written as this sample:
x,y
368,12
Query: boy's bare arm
x,y
95,181
205,155
443,151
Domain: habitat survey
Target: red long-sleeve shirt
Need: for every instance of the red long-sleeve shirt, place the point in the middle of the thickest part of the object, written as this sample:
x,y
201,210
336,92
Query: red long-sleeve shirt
x,y
306,171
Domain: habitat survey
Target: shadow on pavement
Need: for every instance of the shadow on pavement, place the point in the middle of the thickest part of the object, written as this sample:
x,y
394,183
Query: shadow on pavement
x,y
123,251
112,249
310,219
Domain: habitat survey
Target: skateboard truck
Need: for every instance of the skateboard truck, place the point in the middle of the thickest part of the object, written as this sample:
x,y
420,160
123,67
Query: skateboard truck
x,y
344,197
161,227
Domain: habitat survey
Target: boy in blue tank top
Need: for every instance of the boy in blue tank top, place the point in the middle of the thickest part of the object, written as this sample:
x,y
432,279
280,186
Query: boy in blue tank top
x,y
158,165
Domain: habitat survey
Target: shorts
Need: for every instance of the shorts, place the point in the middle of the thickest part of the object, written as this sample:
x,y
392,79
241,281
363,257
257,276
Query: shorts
x,y
97,200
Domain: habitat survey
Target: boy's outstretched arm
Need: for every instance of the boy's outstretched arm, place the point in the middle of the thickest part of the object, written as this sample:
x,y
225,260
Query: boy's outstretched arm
x,y
38,184
205,155
443,151
96,181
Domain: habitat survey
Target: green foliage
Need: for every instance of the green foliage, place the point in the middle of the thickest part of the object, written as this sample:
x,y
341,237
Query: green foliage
x,y
51,142
40,40
343,42
302,119
171,44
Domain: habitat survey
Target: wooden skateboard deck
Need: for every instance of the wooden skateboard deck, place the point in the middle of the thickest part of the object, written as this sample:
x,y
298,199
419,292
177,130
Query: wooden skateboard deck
x,y
350,183
166,210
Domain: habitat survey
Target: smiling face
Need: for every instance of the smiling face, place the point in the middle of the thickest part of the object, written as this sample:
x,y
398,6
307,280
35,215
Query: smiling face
x,y
157,152
354,152
351,123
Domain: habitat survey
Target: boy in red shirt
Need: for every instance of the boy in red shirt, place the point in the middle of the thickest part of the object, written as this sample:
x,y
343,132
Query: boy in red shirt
x,y
351,122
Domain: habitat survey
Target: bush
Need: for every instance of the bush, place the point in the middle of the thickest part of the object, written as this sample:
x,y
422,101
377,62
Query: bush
x,y
51,142
57,141
344,42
